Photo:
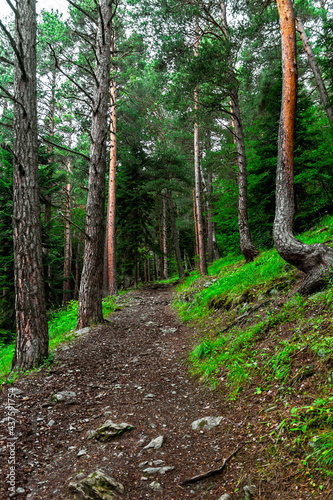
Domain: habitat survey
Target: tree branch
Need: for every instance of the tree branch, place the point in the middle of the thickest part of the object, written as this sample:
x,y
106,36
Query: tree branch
x,y
66,149
69,77
82,10
7,61
75,225
11,6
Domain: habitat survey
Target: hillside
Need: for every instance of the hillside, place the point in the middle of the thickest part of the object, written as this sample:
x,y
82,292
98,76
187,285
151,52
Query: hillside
x,y
263,346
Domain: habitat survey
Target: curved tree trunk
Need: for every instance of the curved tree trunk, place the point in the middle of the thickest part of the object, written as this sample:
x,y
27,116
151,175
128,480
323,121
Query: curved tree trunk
x,y
31,323
314,260
90,298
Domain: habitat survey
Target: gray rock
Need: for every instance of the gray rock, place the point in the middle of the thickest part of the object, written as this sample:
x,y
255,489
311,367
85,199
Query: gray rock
x,y
64,396
81,453
20,490
150,396
249,491
206,423
158,462
155,443
142,464
159,470
225,497
168,329
51,422
155,486
96,486
82,331
109,430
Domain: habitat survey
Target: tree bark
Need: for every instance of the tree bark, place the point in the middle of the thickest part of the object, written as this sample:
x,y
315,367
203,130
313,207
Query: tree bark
x,y
90,298
197,176
314,260
247,247
316,70
111,209
175,234
77,269
165,239
68,243
31,323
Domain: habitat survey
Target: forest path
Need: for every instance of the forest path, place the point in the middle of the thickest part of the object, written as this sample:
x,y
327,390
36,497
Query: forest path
x,y
134,371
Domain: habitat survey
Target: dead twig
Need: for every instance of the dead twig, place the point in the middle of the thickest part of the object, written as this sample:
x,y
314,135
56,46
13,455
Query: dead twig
x,y
212,472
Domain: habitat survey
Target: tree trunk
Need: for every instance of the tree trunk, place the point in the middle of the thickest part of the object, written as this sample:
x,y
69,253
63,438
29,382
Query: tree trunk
x,y
90,298
111,209
196,245
314,260
175,235
316,71
77,269
165,240
48,196
247,247
210,215
197,176
68,244
31,323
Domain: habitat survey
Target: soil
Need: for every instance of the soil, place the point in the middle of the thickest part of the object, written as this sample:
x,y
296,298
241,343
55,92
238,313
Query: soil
x,y
135,370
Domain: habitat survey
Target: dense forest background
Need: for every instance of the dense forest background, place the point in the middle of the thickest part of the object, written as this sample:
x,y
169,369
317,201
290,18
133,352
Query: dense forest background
x,y
161,52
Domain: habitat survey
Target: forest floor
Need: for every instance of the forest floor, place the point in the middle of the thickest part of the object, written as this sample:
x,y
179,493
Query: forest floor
x,y
135,370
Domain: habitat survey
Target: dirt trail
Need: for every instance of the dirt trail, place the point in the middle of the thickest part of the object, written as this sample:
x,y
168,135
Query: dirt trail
x,y
133,370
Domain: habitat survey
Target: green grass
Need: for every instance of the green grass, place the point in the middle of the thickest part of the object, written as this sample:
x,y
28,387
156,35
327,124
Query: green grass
x,y
61,329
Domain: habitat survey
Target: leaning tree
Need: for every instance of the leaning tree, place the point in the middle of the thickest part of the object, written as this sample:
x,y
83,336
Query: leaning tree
x,y
314,260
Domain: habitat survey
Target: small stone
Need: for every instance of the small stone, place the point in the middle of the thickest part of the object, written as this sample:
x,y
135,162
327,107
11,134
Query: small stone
x,y
64,396
249,491
225,497
19,491
142,464
206,423
15,390
155,486
160,470
155,443
109,430
81,453
158,462
150,396
51,422
79,476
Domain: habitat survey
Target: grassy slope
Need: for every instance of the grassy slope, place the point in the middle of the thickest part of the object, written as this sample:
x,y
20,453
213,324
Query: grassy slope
x,y
259,337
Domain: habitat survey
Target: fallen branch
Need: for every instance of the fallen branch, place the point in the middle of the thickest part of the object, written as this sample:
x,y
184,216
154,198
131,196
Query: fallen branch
x,y
212,472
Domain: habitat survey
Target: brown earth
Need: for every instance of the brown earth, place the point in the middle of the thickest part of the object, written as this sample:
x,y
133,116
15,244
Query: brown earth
x,y
134,370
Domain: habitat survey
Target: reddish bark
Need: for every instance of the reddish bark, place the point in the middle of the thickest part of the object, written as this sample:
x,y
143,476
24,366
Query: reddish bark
x,y
314,260
164,239
111,209
31,323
